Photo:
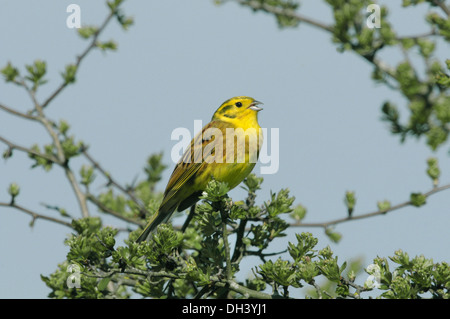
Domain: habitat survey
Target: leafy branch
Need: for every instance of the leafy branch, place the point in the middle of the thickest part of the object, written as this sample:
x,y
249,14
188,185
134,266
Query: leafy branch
x,y
426,91
62,147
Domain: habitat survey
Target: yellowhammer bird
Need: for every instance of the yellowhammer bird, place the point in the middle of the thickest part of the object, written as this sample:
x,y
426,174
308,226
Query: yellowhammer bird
x,y
226,149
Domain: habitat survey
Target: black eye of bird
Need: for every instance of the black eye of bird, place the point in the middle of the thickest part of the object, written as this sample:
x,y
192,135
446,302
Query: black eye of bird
x,y
238,104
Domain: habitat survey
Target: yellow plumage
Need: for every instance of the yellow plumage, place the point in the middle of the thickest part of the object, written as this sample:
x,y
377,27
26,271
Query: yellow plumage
x,y
226,149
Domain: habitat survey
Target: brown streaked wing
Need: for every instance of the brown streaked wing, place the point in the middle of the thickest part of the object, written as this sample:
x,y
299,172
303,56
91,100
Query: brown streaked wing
x,y
187,168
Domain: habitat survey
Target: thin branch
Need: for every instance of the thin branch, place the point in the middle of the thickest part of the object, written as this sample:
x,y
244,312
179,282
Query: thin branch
x,y
418,36
112,181
62,163
246,292
108,210
17,113
14,146
258,5
81,57
442,5
371,214
225,243
36,215
81,197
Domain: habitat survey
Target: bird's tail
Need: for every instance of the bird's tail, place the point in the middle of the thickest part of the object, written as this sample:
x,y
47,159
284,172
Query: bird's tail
x,y
159,217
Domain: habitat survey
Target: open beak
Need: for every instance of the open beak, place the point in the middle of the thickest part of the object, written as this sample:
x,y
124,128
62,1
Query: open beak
x,y
254,106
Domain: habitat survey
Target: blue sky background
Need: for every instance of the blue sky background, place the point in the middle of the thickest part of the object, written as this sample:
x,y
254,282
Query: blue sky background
x,y
177,64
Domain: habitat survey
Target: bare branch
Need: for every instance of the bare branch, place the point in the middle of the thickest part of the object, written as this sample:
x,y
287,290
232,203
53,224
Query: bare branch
x,y
80,58
441,4
14,146
17,113
106,209
61,162
371,214
112,181
257,5
35,215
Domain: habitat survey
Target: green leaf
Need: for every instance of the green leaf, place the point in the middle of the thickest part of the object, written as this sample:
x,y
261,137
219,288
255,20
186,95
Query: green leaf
x,y
7,153
433,170
298,213
103,283
436,136
304,248
426,47
108,45
69,73
253,183
215,191
9,72
87,31
36,73
87,174
63,127
334,236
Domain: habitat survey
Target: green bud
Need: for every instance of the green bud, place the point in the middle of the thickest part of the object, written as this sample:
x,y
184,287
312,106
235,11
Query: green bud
x,y
383,205
436,136
109,241
253,183
215,191
63,127
13,190
426,47
114,4
9,72
69,147
69,74
8,153
350,201
351,275
326,252
36,73
401,258
433,170
109,45
342,290
418,199
87,174
407,43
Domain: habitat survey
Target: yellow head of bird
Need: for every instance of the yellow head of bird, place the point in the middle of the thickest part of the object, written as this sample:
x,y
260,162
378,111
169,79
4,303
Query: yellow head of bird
x,y
238,108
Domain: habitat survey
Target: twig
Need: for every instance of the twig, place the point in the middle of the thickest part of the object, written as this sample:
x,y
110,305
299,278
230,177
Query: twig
x,y
246,292
371,214
108,210
112,181
81,57
17,113
225,243
36,215
14,146
442,5
258,5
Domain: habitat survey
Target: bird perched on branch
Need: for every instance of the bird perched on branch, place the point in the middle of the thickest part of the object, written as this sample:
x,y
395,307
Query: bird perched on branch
x,y
226,150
